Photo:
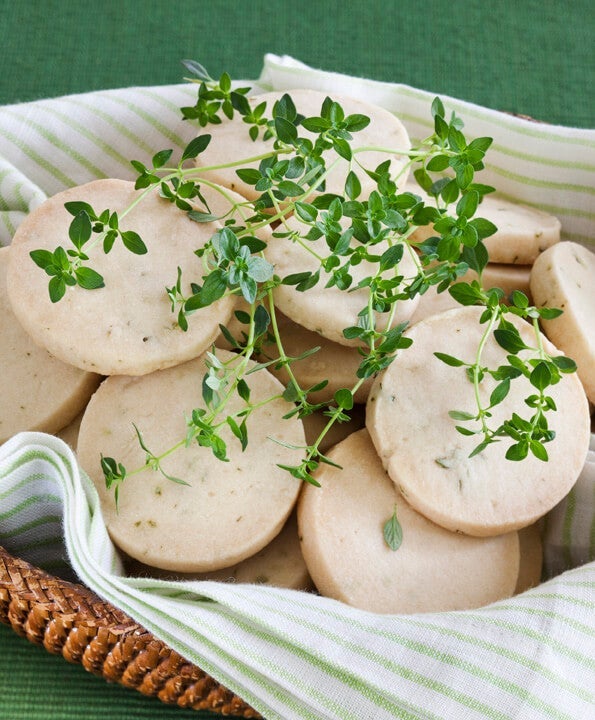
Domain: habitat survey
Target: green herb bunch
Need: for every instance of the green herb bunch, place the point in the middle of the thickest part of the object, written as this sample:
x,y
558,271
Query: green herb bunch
x,y
378,228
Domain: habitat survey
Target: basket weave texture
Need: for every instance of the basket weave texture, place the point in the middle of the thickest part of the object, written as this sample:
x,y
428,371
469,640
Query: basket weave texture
x,y
69,620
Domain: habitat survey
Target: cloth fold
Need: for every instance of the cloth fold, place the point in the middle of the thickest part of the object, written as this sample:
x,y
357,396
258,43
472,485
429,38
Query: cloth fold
x,y
289,654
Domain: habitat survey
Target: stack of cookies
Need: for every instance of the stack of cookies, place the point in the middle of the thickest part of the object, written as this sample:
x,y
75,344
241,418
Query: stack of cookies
x,y
114,362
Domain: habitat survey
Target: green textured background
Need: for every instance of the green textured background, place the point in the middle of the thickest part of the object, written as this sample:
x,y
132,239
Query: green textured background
x,y
527,56
535,58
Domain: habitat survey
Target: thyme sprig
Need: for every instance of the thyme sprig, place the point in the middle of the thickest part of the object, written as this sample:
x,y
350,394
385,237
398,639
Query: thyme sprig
x,y
538,367
65,267
290,177
392,531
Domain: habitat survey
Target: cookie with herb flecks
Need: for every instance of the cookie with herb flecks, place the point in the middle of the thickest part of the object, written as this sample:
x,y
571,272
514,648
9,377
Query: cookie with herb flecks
x,y
37,391
125,326
425,568
230,140
228,510
434,465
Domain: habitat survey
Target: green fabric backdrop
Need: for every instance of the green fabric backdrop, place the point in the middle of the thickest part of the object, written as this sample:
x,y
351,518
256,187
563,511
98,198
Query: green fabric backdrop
x,y
536,59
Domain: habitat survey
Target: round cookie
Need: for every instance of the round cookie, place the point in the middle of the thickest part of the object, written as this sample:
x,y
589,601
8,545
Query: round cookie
x,y
506,277
279,564
230,141
70,433
531,558
224,204
407,416
341,528
328,311
433,303
230,510
564,277
126,327
315,423
37,391
333,362
523,232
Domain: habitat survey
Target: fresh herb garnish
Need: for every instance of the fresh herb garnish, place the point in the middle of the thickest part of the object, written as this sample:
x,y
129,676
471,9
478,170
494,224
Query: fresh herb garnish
x,y
393,532
542,371
290,177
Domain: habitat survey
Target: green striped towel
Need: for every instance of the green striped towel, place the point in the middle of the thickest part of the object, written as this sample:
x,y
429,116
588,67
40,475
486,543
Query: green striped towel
x,y
289,654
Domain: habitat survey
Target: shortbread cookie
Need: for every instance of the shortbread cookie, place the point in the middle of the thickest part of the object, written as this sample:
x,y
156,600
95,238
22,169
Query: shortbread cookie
x,y
433,303
333,362
328,311
230,510
531,558
126,327
231,141
279,564
70,433
341,528
37,391
315,423
407,416
235,327
523,232
506,277
564,277
224,204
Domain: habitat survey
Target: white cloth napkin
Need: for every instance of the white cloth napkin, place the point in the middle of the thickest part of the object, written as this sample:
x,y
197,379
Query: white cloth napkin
x,y
296,655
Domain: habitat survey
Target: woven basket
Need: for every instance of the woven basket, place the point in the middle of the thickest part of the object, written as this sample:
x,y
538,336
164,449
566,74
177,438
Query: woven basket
x,y
69,620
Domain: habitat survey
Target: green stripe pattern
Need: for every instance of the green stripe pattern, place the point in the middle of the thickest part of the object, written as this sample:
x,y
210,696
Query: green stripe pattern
x,y
571,520
50,145
297,655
